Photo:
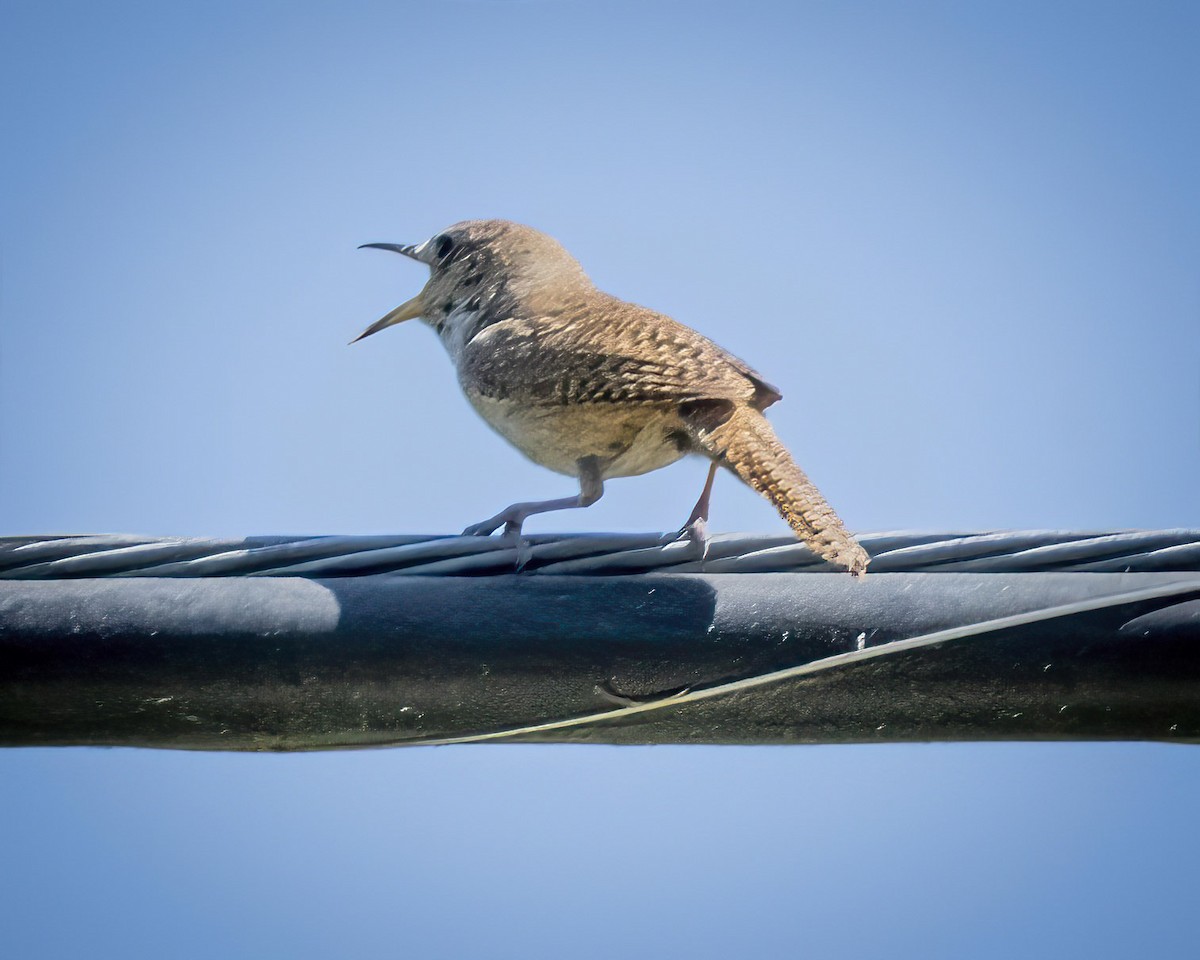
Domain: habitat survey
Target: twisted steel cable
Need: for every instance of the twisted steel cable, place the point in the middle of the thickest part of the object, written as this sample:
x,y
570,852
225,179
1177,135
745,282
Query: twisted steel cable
x,y
68,557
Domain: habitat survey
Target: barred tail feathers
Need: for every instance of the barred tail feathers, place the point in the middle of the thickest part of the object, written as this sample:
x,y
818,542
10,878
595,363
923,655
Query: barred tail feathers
x,y
745,442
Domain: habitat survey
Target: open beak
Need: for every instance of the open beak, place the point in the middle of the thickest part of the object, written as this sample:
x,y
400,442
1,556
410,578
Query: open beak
x,y
406,311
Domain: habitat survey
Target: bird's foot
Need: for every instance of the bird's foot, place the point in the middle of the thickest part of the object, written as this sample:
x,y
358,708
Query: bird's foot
x,y
695,532
485,528
512,533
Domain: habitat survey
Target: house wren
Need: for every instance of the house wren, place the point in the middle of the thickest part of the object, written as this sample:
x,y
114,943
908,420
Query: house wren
x,y
594,387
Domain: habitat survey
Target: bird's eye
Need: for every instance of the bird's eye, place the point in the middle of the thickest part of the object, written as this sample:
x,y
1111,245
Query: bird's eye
x,y
444,247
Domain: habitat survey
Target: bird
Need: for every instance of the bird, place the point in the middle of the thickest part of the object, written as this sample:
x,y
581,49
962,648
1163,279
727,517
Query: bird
x,y
594,387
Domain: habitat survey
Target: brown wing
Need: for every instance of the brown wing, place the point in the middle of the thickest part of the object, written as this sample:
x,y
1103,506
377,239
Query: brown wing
x,y
765,393
611,352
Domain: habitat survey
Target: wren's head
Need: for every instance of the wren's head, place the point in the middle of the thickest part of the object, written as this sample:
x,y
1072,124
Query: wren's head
x,y
482,271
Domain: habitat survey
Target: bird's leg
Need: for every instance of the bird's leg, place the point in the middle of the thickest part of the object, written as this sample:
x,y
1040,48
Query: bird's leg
x,y
591,489
696,527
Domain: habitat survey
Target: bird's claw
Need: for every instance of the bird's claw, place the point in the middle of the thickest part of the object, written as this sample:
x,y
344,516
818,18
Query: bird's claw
x,y
512,532
485,528
695,532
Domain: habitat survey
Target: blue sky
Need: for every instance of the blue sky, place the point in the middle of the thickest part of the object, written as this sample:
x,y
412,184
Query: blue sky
x,y
963,239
